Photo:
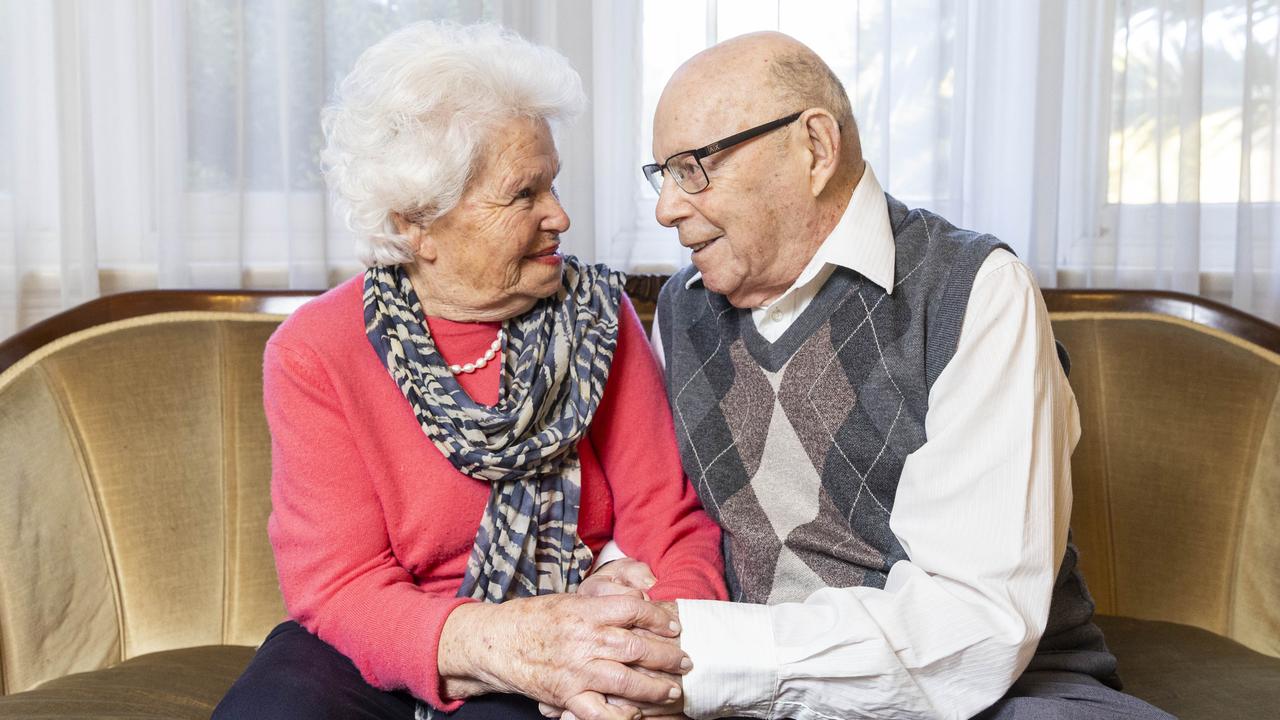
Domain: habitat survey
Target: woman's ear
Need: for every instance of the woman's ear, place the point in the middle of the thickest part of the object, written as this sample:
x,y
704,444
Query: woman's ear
x,y
420,242
822,134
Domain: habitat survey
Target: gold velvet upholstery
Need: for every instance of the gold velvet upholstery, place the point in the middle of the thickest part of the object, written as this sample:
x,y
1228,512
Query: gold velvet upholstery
x,y
135,572
1177,474
134,496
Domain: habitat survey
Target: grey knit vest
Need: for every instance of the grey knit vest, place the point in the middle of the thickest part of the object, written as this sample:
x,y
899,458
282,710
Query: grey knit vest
x,y
796,446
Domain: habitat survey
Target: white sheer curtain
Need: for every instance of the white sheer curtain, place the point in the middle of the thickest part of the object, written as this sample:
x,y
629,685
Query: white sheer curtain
x,y
1129,143
944,92
1111,143
1190,152
158,143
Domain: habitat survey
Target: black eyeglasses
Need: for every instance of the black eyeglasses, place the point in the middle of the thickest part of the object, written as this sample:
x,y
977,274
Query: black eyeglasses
x,y
686,167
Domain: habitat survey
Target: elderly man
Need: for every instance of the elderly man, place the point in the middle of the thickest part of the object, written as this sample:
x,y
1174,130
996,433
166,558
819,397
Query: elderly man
x,y
869,401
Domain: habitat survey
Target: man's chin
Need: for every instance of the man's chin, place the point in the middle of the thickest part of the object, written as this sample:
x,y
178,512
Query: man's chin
x,y
718,286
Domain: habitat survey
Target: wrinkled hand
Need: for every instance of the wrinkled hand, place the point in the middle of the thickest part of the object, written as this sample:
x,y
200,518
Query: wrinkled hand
x,y
623,576
567,651
668,710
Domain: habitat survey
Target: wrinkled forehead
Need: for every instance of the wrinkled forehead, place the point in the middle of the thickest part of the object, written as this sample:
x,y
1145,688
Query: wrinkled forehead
x,y
710,98
519,142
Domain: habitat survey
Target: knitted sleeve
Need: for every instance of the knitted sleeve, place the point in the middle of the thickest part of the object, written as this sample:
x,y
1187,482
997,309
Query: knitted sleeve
x,y
338,574
658,518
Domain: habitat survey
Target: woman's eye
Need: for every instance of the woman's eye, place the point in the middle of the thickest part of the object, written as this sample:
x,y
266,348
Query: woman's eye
x,y
524,194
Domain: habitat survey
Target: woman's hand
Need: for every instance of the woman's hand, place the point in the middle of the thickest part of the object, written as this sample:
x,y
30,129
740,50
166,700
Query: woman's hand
x,y
567,651
672,709
648,712
623,576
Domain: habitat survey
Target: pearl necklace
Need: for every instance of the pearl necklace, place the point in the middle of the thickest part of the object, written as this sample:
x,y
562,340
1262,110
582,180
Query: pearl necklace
x,y
484,359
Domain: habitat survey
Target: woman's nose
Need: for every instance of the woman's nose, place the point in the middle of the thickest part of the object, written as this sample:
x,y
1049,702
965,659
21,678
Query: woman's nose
x,y
557,220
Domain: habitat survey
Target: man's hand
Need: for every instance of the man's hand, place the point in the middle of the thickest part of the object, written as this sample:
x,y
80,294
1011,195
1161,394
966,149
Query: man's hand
x,y
669,710
567,651
623,576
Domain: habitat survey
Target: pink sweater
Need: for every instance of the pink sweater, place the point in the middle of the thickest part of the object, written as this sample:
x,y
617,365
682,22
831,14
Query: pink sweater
x,y
372,526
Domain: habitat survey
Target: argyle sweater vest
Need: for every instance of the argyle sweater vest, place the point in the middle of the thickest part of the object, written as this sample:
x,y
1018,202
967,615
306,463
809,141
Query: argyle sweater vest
x,y
796,447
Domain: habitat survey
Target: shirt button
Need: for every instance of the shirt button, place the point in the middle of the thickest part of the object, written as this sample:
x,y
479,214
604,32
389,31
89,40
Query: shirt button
x,y
775,314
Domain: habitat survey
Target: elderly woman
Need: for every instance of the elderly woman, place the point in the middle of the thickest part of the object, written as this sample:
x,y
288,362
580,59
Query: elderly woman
x,y
458,431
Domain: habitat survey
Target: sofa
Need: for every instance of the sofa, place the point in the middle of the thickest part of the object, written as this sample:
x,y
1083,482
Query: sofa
x,y
136,577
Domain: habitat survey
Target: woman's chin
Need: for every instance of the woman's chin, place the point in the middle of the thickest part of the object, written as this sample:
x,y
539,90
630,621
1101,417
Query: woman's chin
x,y
543,274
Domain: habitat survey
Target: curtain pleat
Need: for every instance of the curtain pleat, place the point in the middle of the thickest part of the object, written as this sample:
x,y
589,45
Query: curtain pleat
x,y
159,143
1111,143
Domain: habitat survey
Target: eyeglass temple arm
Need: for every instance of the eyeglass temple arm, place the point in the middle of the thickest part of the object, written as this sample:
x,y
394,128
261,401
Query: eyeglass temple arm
x,y
743,136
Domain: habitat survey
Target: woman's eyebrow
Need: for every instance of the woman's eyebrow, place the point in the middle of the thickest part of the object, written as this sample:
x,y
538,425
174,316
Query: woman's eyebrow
x,y
520,180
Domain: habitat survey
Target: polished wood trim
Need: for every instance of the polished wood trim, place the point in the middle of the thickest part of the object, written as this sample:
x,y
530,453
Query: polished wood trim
x,y
1191,308
643,290
644,293
122,306
110,308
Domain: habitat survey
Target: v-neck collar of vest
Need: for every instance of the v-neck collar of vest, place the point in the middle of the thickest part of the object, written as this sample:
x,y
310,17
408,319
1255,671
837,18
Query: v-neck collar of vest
x,y
773,355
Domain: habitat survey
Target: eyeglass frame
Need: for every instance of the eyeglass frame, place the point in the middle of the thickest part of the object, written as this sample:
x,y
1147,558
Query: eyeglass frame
x,y
722,144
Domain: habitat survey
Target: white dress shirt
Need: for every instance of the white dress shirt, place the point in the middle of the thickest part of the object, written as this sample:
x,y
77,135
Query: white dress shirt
x,y
981,510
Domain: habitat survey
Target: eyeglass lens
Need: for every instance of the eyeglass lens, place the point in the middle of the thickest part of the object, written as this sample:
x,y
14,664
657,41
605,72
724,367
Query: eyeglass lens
x,y
684,169
687,173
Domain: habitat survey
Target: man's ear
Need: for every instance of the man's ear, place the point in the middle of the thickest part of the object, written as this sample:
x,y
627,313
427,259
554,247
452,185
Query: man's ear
x,y
822,135
420,242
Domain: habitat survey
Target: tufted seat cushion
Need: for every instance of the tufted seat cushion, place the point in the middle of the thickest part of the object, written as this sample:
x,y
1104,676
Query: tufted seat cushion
x,y
1193,673
170,685
1187,671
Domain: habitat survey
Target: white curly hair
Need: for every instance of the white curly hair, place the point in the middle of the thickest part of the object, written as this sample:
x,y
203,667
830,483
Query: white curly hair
x,y
410,122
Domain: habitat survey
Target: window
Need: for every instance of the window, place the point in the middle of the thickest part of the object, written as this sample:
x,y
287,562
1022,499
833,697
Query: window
x,y
1125,144
1192,137
896,63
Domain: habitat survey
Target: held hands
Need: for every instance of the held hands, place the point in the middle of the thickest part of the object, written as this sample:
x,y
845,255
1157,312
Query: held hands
x,y
669,710
567,651
632,578
623,576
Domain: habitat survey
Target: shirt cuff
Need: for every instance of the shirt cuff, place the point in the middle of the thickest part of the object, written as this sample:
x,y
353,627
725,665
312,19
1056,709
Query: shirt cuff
x,y
735,668
608,554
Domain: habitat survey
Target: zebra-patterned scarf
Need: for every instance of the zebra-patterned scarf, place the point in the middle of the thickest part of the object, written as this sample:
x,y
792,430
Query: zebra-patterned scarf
x,y
554,367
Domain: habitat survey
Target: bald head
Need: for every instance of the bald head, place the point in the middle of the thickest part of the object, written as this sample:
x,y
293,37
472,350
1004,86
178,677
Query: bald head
x,y
769,200
756,75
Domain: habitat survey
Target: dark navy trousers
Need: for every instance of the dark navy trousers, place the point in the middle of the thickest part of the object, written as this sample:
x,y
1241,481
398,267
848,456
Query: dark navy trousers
x,y
297,676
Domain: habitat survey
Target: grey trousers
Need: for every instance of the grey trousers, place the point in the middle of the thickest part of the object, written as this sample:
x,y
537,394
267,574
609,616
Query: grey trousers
x,y
1057,695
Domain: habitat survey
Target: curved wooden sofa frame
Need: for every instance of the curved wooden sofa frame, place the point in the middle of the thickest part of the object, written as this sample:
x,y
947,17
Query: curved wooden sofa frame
x,y
643,290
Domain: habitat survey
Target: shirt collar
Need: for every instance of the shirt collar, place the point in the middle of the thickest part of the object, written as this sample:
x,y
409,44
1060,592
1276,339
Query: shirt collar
x,y
861,241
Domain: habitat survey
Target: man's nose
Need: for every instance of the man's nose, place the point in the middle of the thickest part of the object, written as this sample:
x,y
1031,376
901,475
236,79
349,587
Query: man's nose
x,y
673,206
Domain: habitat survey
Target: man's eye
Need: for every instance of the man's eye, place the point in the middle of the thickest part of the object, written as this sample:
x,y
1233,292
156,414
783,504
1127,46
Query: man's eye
x,y
524,194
